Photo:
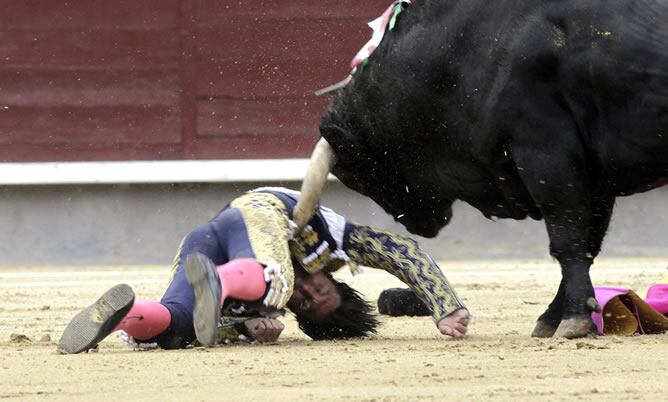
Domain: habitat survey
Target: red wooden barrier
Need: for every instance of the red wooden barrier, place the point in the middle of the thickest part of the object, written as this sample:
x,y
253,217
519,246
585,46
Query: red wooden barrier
x,y
170,79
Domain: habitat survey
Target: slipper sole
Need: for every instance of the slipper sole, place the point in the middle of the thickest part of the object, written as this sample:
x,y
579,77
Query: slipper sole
x,y
200,274
95,322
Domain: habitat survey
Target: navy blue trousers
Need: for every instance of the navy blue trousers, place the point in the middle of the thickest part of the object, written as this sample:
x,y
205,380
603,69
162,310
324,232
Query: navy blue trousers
x,y
222,239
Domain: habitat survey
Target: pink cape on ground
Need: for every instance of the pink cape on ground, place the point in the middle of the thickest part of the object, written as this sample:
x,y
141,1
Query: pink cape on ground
x,y
625,313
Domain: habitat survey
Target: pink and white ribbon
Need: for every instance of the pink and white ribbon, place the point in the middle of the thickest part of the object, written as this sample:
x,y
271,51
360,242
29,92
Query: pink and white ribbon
x,y
379,26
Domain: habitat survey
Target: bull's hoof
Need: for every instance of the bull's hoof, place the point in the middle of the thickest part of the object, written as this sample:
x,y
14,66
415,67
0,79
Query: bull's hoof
x,y
577,326
543,330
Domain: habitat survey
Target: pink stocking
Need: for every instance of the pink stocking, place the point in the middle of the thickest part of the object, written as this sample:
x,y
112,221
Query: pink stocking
x,y
242,279
145,320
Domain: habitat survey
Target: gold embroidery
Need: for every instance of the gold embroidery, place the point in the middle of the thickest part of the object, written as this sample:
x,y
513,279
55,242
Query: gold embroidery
x,y
315,264
175,263
402,257
297,249
335,265
309,236
227,334
266,220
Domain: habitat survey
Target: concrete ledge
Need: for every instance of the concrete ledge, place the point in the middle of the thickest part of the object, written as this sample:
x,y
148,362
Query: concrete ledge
x,y
126,172
144,223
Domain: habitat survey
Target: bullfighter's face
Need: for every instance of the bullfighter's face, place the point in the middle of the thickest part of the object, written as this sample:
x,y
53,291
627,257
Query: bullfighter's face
x,y
315,296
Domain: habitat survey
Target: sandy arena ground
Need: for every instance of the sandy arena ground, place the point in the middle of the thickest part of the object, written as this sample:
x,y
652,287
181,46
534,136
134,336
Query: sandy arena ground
x,y
407,360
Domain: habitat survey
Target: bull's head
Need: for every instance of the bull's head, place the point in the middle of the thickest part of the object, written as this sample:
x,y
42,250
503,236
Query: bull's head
x,y
393,185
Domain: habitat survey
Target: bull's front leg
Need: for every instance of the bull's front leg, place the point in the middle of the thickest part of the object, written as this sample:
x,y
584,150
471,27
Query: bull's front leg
x,y
568,244
568,230
569,314
557,182
601,211
602,206
547,323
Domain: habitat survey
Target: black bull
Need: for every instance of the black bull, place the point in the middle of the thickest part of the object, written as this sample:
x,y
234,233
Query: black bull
x,y
547,109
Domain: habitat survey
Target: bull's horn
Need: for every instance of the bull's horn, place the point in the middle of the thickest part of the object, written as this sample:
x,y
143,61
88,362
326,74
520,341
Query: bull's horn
x,y
319,167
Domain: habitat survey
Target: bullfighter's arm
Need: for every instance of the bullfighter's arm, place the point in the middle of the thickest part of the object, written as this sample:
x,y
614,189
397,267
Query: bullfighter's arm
x,y
402,257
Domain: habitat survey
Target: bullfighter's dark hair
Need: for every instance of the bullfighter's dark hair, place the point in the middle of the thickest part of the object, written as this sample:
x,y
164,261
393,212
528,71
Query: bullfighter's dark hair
x,y
354,318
